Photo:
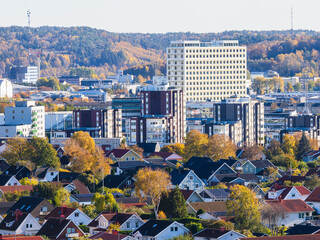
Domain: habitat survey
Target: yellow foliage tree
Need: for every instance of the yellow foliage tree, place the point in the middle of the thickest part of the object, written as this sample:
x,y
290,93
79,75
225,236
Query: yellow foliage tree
x,y
177,148
195,144
289,144
245,207
220,147
152,183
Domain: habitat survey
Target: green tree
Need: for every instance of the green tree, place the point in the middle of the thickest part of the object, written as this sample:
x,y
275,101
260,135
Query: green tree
x,y
303,146
274,149
312,181
259,85
43,153
297,87
194,227
245,207
173,204
18,150
311,85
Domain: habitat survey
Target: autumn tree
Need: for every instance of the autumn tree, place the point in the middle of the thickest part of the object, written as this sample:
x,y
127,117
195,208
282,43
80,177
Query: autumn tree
x,y
177,148
259,85
137,150
195,144
17,150
245,207
86,156
251,152
153,184
220,147
289,144
272,215
274,149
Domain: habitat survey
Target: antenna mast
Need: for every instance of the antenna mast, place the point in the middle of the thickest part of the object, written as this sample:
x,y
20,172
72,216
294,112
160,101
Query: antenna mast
x,y
292,21
29,18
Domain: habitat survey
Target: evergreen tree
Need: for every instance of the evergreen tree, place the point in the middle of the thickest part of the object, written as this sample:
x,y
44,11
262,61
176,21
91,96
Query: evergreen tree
x,y
303,146
173,204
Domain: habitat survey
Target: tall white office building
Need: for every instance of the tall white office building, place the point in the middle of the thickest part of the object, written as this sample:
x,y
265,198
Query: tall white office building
x,y
25,120
207,70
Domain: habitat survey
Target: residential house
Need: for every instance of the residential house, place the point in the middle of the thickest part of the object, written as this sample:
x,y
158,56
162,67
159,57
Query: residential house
x,y
217,234
77,187
126,221
191,196
36,206
45,174
9,180
256,166
160,230
214,195
3,165
301,229
60,229
216,209
166,156
233,163
66,176
312,155
293,179
296,211
117,181
286,237
128,168
18,222
149,148
18,171
186,179
82,199
259,192
159,162
123,155
285,193
111,236
313,199
233,178
313,171
4,207
74,214
15,189
21,237
205,168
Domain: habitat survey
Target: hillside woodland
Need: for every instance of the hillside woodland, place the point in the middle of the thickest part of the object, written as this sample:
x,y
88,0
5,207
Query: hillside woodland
x,y
63,49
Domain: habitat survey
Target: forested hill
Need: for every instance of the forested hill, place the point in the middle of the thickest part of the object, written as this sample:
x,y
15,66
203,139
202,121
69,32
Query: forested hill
x,y
64,48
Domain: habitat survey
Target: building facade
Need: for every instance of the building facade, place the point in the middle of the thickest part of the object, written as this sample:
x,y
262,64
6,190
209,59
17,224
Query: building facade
x,y
162,118
25,120
207,70
21,74
105,123
240,112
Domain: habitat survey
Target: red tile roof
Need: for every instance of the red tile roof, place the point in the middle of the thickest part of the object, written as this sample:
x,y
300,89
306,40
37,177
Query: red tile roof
x,y
314,195
186,193
292,205
287,237
21,237
13,189
303,190
118,153
58,211
107,236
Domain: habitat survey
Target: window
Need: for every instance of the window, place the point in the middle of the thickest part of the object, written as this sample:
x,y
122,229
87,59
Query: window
x,y
132,158
128,225
27,225
44,209
127,158
301,215
171,229
191,177
137,224
76,214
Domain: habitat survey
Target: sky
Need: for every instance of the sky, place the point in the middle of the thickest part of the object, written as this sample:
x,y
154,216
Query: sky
x,y
162,16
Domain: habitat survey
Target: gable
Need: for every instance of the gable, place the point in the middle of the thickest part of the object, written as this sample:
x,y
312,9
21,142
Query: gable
x,y
224,169
248,166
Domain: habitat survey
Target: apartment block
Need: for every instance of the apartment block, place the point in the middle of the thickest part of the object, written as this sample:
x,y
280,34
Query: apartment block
x,y
25,120
207,70
162,118
23,74
104,123
235,112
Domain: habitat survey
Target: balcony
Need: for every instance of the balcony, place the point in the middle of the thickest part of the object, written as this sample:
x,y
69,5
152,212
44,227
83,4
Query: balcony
x,y
70,235
34,113
34,119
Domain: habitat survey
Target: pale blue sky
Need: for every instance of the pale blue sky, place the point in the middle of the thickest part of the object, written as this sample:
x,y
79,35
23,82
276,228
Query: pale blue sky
x,y
164,15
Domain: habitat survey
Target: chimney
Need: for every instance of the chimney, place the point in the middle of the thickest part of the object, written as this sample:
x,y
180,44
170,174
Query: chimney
x,y
115,232
17,214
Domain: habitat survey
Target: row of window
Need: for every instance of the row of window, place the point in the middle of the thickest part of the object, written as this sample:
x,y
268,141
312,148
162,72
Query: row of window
x,y
207,50
214,88
214,93
216,83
